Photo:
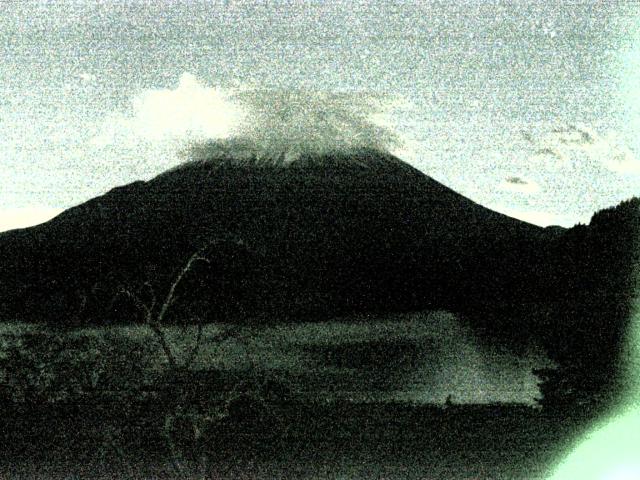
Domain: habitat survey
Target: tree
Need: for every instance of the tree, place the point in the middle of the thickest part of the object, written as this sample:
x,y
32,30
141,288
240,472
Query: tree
x,y
155,313
597,271
177,385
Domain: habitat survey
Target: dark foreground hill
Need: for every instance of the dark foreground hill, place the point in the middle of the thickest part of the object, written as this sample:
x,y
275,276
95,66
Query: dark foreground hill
x,y
317,237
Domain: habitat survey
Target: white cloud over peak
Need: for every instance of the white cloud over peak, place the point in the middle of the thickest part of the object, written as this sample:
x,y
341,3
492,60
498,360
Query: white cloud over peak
x,y
191,109
269,121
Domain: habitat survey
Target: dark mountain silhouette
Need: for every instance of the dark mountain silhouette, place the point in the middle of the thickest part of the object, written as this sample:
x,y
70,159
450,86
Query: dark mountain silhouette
x,y
320,236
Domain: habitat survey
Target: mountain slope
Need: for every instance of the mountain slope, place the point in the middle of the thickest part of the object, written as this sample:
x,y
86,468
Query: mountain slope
x,y
328,235
321,235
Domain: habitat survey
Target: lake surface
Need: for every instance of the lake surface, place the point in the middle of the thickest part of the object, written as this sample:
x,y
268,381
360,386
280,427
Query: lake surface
x,y
419,358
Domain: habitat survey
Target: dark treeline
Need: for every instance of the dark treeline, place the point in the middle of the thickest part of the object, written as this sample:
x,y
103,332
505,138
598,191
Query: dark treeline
x,y
596,281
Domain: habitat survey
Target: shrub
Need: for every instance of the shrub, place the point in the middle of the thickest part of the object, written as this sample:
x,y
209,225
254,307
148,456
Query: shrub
x,y
44,367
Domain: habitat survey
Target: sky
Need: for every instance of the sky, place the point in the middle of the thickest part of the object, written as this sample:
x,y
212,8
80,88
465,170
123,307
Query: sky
x,y
529,108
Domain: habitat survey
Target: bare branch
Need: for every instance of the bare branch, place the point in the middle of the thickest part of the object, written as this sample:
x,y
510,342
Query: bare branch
x,y
139,304
201,259
149,320
219,338
162,340
152,292
170,295
196,347
155,318
198,256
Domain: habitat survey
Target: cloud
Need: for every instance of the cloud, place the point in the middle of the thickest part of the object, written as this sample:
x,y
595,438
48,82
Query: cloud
x,y
314,121
11,218
623,161
528,137
611,153
578,135
86,77
516,181
190,110
580,142
551,152
267,121
520,185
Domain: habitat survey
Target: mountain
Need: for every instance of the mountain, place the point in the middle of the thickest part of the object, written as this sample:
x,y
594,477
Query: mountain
x,y
321,235
310,238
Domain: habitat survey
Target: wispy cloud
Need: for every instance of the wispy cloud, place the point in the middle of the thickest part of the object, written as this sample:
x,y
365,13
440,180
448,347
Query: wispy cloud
x,y
519,184
580,143
623,161
551,152
575,135
86,77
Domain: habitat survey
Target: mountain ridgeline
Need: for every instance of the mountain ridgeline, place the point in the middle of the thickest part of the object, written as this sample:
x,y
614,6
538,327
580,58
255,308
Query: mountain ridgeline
x,y
321,236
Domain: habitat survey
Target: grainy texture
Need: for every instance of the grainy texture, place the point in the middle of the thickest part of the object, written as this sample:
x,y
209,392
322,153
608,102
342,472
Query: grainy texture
x,y
481,92
334,312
